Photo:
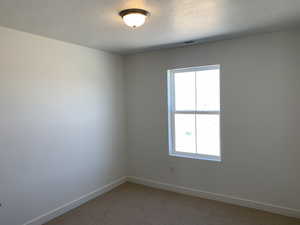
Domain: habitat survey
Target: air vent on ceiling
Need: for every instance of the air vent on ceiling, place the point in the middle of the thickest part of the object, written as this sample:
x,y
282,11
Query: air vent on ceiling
x,y
189,42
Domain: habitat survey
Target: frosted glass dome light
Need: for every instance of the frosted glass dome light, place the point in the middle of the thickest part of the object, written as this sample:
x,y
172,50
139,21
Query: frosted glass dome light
x,y
134,17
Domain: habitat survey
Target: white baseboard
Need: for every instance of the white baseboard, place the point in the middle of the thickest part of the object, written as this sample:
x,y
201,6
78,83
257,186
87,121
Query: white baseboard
x,y
165,186
219,197
75,203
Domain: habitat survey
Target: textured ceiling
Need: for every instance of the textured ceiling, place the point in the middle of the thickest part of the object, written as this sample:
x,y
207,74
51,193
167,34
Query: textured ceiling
x,y
96,24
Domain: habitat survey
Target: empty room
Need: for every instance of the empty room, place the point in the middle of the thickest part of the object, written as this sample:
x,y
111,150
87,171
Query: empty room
x,y
149,112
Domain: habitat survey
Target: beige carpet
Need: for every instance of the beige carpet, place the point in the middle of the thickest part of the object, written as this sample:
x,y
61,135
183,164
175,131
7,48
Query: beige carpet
x,y
132,204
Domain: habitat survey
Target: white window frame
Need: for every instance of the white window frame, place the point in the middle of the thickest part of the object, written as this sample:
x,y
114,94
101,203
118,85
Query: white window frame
x,y
172,112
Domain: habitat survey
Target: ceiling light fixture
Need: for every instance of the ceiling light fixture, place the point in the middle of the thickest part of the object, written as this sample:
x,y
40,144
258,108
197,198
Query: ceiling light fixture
x,y
134,17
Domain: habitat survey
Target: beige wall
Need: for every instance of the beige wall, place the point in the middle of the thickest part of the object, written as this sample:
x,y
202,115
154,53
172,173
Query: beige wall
x,y
61,123
260,89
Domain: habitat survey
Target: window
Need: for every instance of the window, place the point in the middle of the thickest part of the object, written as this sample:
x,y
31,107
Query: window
x,y
194,112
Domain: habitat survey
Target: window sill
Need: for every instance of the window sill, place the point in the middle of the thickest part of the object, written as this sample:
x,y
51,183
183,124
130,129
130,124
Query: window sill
x,y
196,156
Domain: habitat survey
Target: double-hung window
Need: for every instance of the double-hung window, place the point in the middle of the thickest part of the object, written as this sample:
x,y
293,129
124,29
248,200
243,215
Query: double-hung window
x,y
194,112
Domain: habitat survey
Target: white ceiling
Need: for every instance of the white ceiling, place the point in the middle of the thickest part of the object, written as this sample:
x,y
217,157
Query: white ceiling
x,y
96,24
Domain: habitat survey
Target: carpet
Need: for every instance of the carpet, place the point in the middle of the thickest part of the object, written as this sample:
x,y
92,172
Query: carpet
x,y
133,204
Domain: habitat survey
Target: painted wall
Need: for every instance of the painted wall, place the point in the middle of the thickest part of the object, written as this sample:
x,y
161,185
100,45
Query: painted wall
x,y
61,123
260,89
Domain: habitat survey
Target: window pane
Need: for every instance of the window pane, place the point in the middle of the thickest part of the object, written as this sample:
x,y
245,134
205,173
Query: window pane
x,y
185,91
185,133
208,134
208,90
